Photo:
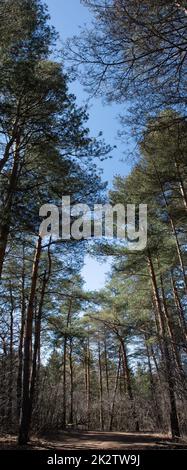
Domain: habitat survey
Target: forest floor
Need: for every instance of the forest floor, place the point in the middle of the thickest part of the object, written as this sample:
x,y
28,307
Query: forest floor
x,y
80,440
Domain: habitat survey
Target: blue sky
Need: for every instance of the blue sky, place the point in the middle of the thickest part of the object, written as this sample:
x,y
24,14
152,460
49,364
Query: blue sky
x,y
67,16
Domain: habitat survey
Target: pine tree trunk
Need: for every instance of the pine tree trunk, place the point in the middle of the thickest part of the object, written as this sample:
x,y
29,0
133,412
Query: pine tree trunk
x,y
71,382
64,418
171,333
88,385
168,363
6,155
3,383
129,386
7,206
181,184
14,137
100,388
106,368
115,391
64,383
179,253
153,391
10,384
26,404
153,355
37,341
182,320
21,338
173,228
107,374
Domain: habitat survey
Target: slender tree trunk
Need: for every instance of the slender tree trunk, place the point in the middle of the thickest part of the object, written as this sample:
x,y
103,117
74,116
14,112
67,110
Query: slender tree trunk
x,y
64,418
7,207
100,388
14,137
155,360
171,332
153,355
71,382
106,368
3,388
10,385
26,403
85,374
88,384
153,390
179,253
115,391
181,186
158,328
173,228
129,386
122,379
182,320
7,153
168,363
124,372
21,338
178,171
64,382
37,341
107,373
3,382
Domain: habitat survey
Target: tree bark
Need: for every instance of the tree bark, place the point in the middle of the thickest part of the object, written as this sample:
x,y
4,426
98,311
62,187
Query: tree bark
x,y
71,382
64,382
106,368
100,388
88,385
21,338
182,320
171,332
157,413
10,382
7,207
64,413
115,391
173,228
174,423
26,403
129,386
37,341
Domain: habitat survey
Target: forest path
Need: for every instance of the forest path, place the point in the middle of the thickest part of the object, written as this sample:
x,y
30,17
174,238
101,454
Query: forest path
x,y
83,440
112,440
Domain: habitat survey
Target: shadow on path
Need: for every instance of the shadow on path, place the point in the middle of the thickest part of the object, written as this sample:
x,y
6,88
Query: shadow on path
x,y
83,440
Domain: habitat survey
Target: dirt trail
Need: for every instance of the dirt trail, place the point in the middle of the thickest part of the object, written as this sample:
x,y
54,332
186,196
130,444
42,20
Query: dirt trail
x,y
79,440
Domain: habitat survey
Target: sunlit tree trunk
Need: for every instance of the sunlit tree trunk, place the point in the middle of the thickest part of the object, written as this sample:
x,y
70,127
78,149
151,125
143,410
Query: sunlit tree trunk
x,y
178,304
168,363
11,365
21,338
171,333
173,228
